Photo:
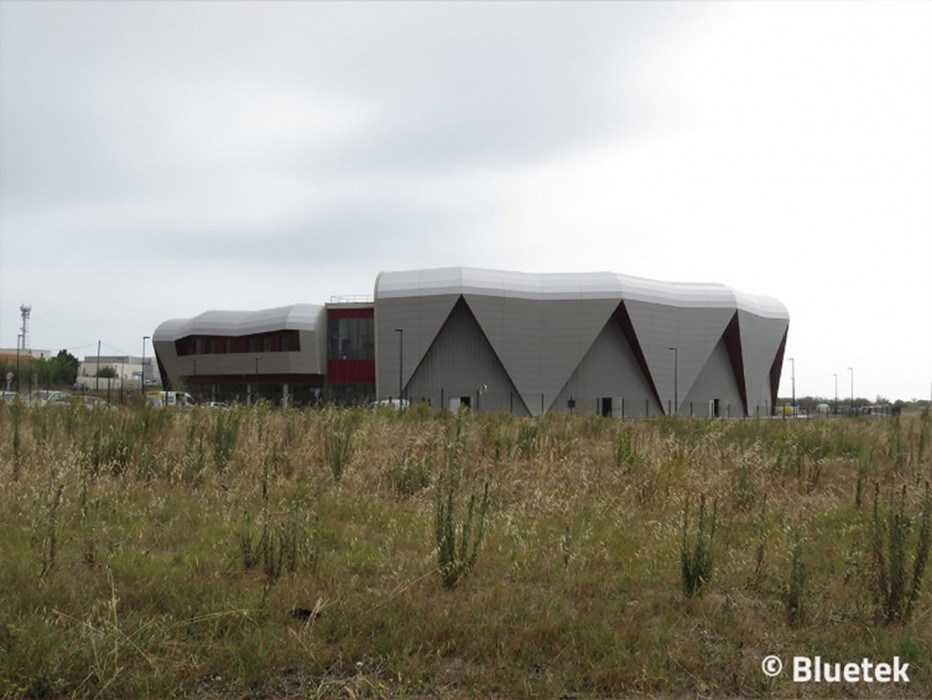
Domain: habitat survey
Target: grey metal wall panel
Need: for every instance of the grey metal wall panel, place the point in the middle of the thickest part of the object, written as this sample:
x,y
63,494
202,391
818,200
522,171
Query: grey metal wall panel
x,y
421,319
693,331
540,343
513,328
609,370
461,362
165,352
716,380
760,341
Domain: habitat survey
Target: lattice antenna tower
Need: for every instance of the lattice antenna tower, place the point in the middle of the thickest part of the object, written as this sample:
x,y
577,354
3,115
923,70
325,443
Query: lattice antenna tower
x,y
24,309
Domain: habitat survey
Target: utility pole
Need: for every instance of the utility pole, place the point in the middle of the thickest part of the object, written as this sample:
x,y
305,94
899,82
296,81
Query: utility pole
x,y
851,369
25,310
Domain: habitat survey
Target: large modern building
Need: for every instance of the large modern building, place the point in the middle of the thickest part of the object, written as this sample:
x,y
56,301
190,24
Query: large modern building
x,y
505,341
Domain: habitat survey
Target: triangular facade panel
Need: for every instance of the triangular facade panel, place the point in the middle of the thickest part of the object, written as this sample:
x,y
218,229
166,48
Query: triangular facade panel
x,y
693,331
540,342
460,367
420,320
715,392
609,380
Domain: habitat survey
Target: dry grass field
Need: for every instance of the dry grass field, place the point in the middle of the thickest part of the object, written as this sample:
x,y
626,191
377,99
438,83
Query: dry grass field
x,y
268,553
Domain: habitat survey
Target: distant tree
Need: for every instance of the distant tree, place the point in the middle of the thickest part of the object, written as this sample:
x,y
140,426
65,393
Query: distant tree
x,y
106,373
63,368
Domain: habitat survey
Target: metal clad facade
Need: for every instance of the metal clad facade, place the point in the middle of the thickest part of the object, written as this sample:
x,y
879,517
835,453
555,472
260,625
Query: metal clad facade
x,y
540,339
551,336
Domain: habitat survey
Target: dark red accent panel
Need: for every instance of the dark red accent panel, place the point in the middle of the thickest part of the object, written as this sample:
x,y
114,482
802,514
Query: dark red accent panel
x,y
732,337
351,371
217,344
351,313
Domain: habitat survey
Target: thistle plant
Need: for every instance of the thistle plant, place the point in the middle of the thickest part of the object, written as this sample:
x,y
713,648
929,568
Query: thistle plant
x,y
339,427
226,432
864,466
896,590
50,550
16,411
697,562
925,433
528,439
760,552
793,597
626,454
411,475
279,545
457,543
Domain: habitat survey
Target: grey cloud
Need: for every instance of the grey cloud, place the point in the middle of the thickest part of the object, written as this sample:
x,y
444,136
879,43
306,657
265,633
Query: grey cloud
x,y
96,96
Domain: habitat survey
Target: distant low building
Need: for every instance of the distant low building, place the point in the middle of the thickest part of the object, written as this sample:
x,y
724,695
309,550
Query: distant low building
x,y
126,368
34,353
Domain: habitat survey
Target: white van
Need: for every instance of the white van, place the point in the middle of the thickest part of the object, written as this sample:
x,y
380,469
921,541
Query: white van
x,y
175,399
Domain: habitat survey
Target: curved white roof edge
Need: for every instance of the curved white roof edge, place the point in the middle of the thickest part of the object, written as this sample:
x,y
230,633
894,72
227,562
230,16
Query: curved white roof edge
x,y
571,285
302,317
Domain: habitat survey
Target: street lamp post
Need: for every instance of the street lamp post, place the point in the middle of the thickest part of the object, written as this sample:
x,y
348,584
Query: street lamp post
x,y
142,367
401,354
19,338
676,379
793,380
851,369
836,392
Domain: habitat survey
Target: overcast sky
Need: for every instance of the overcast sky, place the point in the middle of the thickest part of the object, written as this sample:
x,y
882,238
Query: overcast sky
x,y
161,159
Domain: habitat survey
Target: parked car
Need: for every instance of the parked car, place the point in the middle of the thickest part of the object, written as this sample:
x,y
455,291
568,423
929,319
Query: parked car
x,y
174,399
390,403
95,402
48,397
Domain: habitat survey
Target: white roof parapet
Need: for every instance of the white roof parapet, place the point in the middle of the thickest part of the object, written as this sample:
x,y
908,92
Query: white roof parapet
x,y
300,317
571,285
